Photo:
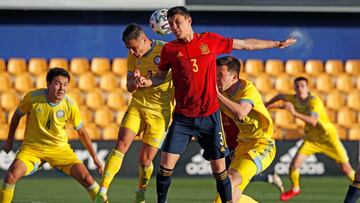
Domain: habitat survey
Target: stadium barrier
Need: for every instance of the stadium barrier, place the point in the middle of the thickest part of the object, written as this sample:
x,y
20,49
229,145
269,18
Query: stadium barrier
x,y
191,163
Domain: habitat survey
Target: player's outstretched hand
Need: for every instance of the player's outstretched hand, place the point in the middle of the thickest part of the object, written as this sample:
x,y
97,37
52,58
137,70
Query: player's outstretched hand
x,y
290,107
287,42
99,166
7,147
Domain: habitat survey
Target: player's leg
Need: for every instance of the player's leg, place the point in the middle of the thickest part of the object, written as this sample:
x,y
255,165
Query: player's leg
x,y
130,126
163,178
146,168
65,160
180,134
294,175
153,137
353,193
27,162
79,172
16,170
212,139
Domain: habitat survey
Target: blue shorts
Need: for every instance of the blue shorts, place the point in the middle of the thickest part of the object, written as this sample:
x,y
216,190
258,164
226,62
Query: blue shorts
x,y
207,131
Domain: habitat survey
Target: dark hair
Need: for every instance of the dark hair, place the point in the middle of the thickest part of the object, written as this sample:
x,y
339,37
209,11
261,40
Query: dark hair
x,y
132,31
178,10
301,78
53,72
231,62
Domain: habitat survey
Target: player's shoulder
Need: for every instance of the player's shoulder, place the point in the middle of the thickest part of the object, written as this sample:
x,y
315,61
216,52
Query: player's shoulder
x,y
36,94
314,98
69,100
159,42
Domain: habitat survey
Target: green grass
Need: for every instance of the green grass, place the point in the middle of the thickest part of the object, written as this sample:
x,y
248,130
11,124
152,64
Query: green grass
x,y
197,190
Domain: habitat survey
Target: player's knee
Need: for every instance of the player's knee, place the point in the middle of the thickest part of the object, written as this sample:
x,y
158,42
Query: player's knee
x,y
11,178
122,146
235,177
165,171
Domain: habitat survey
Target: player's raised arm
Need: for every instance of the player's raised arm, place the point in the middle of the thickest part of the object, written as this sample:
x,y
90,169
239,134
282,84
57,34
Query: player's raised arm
x,y
239,110
7,147
271,104
257,44
86,141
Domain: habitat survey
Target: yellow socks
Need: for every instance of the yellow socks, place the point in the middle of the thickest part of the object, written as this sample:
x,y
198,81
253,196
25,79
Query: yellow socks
x,y
93,190
113,165
144,176
294,177
7,193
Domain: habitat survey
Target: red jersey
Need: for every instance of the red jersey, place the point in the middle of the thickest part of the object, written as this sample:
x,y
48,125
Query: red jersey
x,y
193,67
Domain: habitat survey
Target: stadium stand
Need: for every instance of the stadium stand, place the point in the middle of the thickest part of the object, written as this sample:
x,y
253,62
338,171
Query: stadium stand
x,y
16,66
87,81
37,66
294,67
352,67
108,82
334,67
79,66
354,133
99,88
59,62
314,67
254,67
274,67
119,66
2,65
6,82
99,66
24,82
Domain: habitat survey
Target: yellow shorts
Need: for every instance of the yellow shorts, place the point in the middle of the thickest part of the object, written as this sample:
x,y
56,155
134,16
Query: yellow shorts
x,y
153,125
334,150
251,158
61,158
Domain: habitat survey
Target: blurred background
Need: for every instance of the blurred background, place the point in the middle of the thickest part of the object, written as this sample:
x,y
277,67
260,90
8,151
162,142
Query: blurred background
x,y
84,37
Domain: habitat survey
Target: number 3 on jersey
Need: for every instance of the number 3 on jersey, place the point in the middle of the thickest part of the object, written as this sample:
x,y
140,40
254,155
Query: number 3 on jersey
x,y
195,66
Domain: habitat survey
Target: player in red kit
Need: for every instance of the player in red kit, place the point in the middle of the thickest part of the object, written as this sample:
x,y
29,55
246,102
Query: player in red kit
x,y
192,59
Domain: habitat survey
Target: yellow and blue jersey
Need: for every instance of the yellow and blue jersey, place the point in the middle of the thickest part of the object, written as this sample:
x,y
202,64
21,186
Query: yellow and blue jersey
x,y
156,98
258,123
313,106
45,122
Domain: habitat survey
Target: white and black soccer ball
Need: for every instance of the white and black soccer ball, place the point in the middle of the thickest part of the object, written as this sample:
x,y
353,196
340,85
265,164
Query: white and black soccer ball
x,y
159,22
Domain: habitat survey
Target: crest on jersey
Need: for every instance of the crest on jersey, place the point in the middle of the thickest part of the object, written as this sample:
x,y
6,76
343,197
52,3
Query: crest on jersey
x,y
157,60
60,114
204,49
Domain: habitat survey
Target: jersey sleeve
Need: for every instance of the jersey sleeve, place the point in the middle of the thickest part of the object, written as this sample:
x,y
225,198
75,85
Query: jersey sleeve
x,y
250,95
75,116
222,45
165,59
315,107
25,105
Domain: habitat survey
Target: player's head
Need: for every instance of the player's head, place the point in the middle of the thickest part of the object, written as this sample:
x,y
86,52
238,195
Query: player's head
x,y
136,40
58,80
301,86
228,70
179,21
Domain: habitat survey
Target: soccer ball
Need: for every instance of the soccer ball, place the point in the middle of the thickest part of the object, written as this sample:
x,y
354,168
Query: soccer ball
x,y
159,22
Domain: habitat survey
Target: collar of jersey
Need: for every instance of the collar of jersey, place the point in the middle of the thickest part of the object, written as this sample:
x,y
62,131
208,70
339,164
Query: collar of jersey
x,y
50,103
151,48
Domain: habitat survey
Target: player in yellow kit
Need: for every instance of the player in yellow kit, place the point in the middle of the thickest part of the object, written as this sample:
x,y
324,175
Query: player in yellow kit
x,y
320,134
45,138
149,111
245,116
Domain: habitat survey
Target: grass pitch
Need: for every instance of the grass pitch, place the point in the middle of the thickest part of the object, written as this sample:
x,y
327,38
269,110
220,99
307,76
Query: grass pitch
x,y
183,190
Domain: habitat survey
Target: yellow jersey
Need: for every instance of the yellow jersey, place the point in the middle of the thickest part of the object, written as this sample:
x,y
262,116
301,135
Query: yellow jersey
x,y
45,121
257,124
156,98
313,106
